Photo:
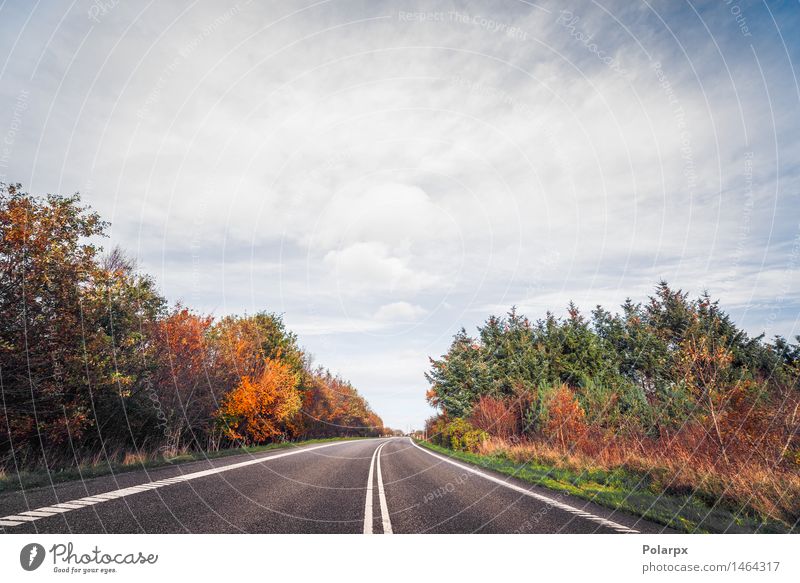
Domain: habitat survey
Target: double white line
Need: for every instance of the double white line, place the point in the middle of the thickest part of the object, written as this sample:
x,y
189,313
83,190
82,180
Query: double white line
x,y
387,523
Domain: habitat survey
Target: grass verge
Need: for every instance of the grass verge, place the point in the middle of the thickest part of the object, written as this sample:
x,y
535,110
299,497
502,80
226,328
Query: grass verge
x,y
623,490
24,480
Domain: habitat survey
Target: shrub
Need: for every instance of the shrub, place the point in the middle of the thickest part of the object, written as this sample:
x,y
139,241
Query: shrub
x,y
460,435
566,420
497,417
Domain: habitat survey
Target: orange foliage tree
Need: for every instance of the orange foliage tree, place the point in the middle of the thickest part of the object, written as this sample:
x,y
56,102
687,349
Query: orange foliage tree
x,y
332,406
182,381
497,417
566,419
704,363
258,409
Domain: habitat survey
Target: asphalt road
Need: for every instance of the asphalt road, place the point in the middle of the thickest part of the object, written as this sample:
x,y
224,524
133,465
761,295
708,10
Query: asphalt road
x,y
378,486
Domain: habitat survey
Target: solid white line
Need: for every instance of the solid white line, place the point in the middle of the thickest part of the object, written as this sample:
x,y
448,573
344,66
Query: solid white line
x,y
91,500
387,524
368,501
521,490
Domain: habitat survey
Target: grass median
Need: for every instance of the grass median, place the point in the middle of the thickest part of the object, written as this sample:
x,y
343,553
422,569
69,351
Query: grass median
x,y
631,492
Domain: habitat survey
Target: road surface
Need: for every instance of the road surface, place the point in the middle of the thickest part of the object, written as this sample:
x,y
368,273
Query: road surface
x,y
374,486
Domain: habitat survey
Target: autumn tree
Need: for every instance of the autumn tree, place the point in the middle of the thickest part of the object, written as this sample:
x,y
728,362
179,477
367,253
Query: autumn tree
x,y
566,420
654,369
45,266
93,363
184,382
121,309
258,409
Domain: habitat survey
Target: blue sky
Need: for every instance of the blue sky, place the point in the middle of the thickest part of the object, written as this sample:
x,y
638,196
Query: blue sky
x,y
383,173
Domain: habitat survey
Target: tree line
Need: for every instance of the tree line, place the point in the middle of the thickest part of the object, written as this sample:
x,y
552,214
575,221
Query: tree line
x,y
670,388
94,359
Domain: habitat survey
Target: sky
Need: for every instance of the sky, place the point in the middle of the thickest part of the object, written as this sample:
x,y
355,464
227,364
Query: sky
x,y
384,173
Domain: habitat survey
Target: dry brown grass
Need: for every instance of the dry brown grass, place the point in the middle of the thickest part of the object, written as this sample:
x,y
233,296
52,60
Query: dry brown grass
x,y
133,458
681,465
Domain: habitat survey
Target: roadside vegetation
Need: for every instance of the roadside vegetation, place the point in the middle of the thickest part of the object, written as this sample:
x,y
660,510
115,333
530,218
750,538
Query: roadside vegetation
x,y
100,466
665,409
96,369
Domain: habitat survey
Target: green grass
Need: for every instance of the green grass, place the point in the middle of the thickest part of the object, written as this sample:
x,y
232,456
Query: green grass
x,y
620,489
37,478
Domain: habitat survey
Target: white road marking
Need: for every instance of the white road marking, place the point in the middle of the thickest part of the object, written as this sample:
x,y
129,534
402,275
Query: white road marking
x,y
368,501
19,518
387,524
54,509
571,509
37,513
47,511
385,521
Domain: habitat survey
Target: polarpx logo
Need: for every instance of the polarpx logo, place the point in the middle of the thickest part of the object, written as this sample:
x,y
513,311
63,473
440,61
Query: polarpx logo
x,y
31,556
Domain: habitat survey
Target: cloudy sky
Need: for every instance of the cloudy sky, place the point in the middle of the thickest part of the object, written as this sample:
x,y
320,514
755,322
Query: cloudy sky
x,y
383,173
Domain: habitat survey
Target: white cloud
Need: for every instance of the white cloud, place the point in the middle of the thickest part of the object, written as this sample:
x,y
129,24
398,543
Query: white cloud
x,y
400,312
372,266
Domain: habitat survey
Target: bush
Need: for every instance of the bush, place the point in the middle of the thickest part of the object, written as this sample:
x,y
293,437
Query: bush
x,y
566,420
497,417
460,435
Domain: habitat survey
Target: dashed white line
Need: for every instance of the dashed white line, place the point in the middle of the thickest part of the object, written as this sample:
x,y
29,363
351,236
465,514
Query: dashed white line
x,y
560,505
20,518
53,509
